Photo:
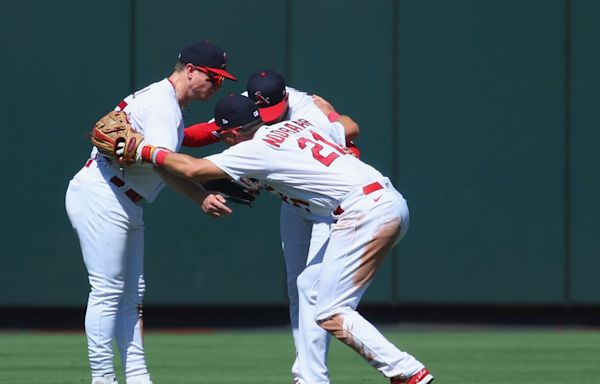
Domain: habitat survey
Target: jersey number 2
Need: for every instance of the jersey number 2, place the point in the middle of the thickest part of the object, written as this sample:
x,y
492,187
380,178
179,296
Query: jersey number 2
x,y
317,148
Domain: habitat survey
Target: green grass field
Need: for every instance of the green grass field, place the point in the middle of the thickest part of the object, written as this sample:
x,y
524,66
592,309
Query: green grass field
x,y
264,356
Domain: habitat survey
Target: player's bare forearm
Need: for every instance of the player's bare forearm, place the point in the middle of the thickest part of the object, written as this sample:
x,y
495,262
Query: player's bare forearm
x,y
180,164
212,204
351,128
199,170
185,187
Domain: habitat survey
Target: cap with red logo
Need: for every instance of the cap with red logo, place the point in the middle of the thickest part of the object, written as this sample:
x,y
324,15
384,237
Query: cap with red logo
x,y
206,54
267,89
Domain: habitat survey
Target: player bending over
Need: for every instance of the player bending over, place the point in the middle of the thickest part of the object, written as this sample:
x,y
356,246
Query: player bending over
x,y
300,161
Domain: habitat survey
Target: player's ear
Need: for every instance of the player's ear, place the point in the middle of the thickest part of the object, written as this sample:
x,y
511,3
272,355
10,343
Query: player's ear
x,y
189,70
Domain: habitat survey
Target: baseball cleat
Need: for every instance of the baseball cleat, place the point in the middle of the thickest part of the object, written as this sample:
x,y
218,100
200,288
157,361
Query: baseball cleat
x,y
106,379
139,379
421,377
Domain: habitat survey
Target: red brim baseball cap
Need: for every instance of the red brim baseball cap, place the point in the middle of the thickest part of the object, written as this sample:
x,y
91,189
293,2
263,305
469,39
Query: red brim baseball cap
x,y
274,112
207,55
222,72
267,89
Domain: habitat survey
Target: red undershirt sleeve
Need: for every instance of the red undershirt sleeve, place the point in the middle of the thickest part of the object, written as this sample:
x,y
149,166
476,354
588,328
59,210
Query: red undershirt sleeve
x,y
199,135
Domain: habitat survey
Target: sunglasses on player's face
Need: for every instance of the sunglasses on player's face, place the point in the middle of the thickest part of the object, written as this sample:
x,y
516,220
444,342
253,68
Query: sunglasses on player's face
x,y
215,79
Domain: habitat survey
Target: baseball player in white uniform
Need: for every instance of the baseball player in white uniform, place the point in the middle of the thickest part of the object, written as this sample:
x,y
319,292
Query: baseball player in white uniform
x,y
103,203
299,161
303,234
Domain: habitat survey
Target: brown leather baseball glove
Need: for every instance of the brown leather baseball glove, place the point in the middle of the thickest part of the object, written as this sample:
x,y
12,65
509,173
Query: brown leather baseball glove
x,y
114,131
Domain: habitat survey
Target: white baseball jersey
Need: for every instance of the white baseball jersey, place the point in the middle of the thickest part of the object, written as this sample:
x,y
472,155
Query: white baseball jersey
x,y
300,162
154,112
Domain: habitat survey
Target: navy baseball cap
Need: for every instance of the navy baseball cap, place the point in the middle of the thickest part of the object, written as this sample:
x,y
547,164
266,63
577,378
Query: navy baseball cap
x,y
267,89
235,110
206,54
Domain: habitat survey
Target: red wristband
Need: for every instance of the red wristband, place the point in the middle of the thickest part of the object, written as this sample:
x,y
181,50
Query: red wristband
x,y
159,159
333,116
147,152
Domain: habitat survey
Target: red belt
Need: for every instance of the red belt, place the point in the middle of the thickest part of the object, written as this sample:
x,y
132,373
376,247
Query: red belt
x,y
370,188
133,195
367,189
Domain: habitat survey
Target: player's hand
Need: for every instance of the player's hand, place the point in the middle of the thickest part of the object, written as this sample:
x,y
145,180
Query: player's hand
x,y
120,150
324,105
214,205
352,151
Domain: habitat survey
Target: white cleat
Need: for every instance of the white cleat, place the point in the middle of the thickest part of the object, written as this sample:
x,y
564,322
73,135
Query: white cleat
x,y
139,379
106,379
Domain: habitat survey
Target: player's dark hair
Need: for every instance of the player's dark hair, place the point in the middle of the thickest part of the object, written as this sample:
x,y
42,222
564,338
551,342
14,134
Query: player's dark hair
x,y
179,66
250,128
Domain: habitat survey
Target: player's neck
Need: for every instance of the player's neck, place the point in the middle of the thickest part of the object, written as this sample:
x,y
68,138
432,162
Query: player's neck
x,y
180,89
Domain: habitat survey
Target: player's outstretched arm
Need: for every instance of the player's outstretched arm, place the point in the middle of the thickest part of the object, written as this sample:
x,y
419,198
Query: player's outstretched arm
x,y
182,165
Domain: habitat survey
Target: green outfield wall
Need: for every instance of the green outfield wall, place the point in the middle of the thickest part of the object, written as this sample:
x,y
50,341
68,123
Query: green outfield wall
x,y
485,115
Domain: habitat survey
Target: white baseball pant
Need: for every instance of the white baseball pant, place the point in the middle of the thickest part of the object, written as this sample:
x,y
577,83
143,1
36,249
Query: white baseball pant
x,y
370,221
111,235
304,238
